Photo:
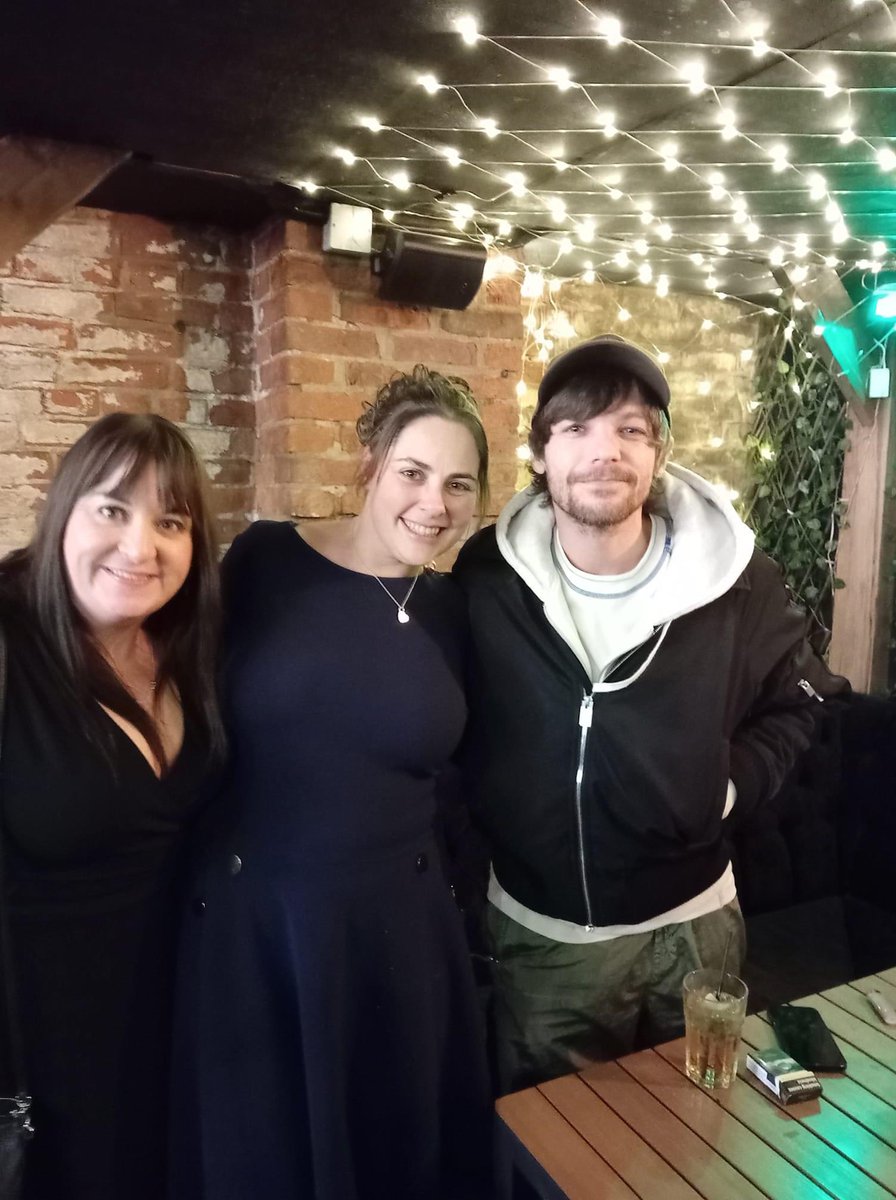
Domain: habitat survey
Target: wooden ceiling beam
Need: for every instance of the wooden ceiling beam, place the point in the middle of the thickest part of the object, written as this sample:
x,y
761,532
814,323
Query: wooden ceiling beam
x,y
40,180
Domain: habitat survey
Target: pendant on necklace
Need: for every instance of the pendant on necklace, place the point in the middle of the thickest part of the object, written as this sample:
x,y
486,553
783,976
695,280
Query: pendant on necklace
x,y
403,617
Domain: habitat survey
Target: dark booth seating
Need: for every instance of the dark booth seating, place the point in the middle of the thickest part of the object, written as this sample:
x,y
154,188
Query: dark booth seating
x,y
816,867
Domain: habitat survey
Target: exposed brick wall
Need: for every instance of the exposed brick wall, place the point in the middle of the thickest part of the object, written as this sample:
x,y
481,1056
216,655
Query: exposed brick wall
x,y
265,349
326,343
105,312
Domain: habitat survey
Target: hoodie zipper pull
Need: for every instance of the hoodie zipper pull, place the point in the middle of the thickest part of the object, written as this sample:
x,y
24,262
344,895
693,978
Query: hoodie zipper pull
x,y
809,690
586,711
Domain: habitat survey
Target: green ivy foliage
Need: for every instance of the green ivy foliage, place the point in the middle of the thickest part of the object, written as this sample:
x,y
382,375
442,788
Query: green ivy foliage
x,y
796,451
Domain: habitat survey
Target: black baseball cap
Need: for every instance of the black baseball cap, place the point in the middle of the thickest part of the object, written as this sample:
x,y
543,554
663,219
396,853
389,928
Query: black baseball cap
x,y
606,350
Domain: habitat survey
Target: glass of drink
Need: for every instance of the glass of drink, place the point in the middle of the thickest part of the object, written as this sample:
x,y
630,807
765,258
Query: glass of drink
x,y
714,1011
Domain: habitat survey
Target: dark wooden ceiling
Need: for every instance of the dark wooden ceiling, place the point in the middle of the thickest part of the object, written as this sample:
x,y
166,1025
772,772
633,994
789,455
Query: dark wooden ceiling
x,y
239,108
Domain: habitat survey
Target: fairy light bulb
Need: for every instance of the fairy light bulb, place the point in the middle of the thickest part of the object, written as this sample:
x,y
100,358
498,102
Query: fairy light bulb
x,y
760,47
831,262
729,125
521,388
846,135
776,257
801,245
610,29
669,151
532,285
557,209
711,282
523,453
451,155
517,182
717,189
879,249
663,357
608,124
588,276
830,84
555,285
780,161
372,124
621,259
695,74
489,127
752,231
346,155
560,77
646,215
565,246
429,83
388,214
840,233
505,229
886,158
624,314
614,193
799,303
662,286
706,325
645,273
641,246
817,186
696,259
401,180
308,185
833,213
585,231
467,29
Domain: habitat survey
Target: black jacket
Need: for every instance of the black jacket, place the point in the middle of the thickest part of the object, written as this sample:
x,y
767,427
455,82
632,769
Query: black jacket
x,y
728,694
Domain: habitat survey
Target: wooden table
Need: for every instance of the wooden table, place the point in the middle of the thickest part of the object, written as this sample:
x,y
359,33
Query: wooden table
x,y
638,1127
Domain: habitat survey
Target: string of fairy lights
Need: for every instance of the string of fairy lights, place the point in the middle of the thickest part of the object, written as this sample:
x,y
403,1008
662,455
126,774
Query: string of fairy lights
x,y
488,216
499,213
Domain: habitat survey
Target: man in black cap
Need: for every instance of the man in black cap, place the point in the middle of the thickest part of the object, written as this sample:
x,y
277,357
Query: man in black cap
x,y
640,674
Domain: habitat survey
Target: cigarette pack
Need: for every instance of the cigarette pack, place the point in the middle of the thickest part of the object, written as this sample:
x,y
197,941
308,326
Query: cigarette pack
x,y
784,1078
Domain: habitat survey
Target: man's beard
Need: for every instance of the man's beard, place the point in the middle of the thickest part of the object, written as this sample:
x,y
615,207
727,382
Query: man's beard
x,y
598,512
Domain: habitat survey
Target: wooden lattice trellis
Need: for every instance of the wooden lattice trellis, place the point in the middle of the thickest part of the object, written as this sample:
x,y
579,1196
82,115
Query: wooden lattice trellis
x,y
797,448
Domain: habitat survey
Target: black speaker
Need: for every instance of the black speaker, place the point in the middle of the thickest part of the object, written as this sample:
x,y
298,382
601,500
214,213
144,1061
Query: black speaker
x,y
436,272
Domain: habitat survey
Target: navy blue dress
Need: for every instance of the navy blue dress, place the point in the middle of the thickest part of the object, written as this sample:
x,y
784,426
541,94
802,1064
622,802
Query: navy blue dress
x,y
330,1044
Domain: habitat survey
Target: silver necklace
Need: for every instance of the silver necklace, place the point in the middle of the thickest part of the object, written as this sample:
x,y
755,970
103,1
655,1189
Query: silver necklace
x,y
403,617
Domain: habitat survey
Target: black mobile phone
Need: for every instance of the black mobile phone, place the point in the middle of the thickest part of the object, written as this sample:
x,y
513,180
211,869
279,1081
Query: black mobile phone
x,y
803,1035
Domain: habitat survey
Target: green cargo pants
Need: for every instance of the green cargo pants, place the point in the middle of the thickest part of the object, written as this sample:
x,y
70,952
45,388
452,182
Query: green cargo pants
x,y
558,1007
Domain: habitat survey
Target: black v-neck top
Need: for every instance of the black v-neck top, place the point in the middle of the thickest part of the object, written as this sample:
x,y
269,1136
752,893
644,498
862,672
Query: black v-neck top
x,y
94,847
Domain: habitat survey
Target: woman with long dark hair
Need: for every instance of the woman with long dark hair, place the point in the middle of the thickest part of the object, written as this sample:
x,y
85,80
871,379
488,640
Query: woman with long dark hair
x,y
110,617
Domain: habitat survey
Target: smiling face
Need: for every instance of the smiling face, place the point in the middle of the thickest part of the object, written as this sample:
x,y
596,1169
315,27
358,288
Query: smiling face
x,y
125,556
421,500
599,470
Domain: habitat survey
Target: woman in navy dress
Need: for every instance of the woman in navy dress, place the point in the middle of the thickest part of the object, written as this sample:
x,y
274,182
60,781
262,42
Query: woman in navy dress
x,y
331,1038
